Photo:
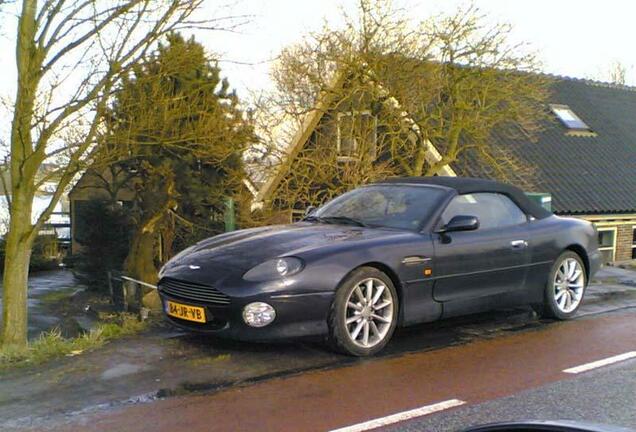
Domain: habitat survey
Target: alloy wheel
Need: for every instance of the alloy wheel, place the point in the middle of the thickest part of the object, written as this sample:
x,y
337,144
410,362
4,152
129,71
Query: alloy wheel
x,y
369,312
569,283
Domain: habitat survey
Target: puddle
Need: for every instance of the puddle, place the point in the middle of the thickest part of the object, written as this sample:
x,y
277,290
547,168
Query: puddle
x,y
121,370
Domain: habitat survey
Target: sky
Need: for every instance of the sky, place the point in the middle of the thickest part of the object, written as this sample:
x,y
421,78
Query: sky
x,y
578,38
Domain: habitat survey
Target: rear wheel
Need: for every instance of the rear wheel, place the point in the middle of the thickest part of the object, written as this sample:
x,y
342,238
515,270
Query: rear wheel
x,y
566,287
364,313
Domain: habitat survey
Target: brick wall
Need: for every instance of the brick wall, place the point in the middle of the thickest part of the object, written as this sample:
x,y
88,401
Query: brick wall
x,y
624,239
624,225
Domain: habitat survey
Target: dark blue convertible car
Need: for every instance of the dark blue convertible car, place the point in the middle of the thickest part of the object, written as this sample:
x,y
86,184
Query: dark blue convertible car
x,y
388,254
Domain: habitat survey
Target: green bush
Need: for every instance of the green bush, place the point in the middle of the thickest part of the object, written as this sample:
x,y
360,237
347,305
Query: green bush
x,y
41,258
45,254
104,230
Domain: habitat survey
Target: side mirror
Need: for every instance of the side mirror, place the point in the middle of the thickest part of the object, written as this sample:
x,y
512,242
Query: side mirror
x,y
461,223
309,210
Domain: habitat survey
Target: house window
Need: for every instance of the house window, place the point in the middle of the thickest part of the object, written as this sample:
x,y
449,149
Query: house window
x,y
634,242
569,119
607,243
357,134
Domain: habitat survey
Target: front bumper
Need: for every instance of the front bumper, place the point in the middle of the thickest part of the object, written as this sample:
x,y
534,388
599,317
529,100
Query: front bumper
x,y
297,315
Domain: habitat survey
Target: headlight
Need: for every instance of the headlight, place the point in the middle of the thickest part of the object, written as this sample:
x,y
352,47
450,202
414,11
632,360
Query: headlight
x,y
258,314
273,269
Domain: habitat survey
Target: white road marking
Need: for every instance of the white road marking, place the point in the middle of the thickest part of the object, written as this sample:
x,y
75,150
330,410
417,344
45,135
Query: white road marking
x,y
402,416
599,363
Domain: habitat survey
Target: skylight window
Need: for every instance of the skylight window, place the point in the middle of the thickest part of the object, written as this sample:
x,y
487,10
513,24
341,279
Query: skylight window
x,y
568,118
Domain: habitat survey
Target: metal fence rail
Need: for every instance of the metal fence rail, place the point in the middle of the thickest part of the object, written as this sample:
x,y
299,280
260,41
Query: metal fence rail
x,y
126,293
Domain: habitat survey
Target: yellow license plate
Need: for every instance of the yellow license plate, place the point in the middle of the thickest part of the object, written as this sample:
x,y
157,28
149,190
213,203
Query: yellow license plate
x,y
186,312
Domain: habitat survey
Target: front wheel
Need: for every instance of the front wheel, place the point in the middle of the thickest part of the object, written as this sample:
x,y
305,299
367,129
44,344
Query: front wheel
x,y
565,287
364,313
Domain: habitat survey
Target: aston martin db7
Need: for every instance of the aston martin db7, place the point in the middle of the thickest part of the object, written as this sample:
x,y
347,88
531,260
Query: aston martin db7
x,y
395,253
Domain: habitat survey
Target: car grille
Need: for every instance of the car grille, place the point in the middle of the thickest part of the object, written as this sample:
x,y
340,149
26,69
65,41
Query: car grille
x,y
192,291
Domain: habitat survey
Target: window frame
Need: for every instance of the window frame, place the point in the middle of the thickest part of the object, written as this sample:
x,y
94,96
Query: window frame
x,y
633,241
576,124
425,217
354,155
439,223
606,248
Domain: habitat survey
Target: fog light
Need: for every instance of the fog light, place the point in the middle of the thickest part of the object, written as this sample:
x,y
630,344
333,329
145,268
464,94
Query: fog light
x,y
258,314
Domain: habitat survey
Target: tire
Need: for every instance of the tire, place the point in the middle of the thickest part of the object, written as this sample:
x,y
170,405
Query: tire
x,y
355,328
563,295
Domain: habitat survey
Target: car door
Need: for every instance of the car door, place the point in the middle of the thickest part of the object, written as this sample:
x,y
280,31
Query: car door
x,y
490,260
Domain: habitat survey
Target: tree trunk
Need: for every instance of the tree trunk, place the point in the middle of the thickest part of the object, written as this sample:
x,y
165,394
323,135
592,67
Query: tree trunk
x,y
420,157
156,200
140,265
450,156
23,167
15,277
167,239
140,262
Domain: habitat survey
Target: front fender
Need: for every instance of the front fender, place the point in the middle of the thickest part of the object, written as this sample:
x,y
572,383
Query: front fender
x,y
328,267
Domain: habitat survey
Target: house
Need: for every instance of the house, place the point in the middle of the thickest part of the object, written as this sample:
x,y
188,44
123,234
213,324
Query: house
x,y
584,157
110,184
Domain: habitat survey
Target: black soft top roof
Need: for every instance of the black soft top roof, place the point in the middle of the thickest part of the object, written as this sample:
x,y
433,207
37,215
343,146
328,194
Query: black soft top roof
x,y
466,185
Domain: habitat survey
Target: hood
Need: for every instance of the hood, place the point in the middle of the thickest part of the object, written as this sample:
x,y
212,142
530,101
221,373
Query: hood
x,y
243,249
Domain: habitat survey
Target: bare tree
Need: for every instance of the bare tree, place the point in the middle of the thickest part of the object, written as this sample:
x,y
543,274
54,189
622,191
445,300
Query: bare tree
x,y
391,91
70,55
617,73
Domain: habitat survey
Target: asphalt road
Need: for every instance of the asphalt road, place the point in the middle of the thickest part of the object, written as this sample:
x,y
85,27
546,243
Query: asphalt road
x,y
477,374
605,396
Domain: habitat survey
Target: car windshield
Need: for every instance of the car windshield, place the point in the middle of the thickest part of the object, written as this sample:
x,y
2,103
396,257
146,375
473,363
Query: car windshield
x,y
390,206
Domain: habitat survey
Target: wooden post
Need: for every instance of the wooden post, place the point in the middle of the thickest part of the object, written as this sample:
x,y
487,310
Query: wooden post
x,y
229,216
124,289
110,287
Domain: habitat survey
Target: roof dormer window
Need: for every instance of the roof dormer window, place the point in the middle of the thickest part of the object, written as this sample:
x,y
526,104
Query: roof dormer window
x,y
569,119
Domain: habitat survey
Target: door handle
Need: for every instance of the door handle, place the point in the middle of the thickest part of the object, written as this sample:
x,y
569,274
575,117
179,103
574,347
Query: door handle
x,y
519,244
416,259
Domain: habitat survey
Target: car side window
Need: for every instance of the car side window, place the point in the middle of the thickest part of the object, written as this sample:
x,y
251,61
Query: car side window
x,y
492,209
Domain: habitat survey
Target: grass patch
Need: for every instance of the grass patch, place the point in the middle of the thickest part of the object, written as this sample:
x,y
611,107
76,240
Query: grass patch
x,y
51,345
57,295
205,361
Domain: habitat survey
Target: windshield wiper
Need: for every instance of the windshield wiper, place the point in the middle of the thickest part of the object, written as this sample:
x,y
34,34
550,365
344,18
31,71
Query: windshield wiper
x,y
311,218
334,219
345,219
